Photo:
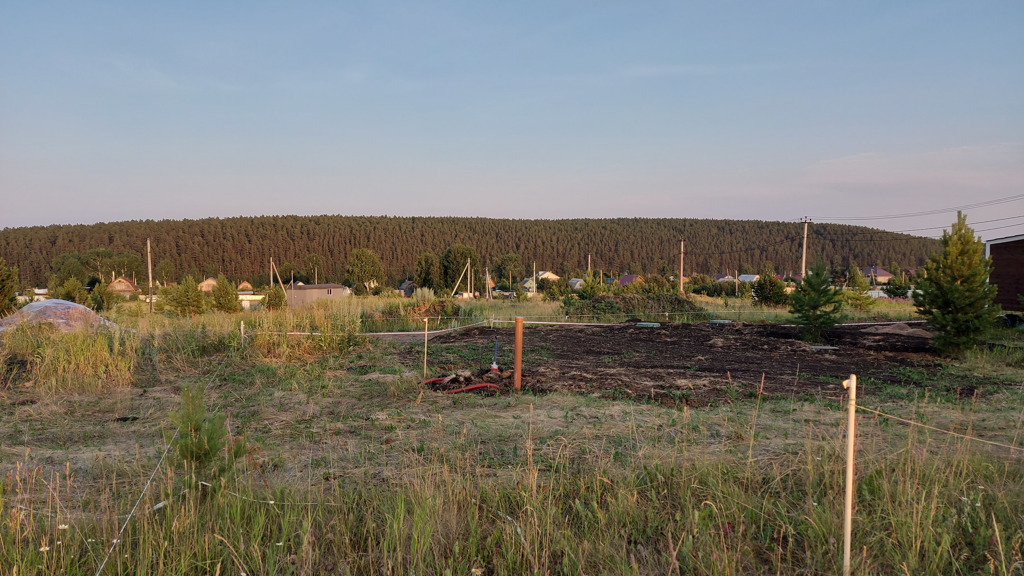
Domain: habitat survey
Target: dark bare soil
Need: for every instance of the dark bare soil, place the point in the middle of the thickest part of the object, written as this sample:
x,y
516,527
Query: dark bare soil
x,y
699,364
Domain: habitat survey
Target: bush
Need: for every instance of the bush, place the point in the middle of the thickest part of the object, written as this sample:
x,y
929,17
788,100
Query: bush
x,y
654,306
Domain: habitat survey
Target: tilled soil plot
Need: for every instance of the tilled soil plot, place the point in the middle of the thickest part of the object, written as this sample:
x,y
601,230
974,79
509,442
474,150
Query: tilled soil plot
x,y
699,364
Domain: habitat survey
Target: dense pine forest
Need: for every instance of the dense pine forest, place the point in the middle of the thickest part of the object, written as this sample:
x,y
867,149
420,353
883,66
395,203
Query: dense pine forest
x,y
319,246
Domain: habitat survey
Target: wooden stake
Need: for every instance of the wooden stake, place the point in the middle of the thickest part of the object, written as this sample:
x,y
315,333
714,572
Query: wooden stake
x,y
850,385
426,326
517,382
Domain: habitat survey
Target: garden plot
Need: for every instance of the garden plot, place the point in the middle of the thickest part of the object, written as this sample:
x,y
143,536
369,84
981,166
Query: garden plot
x,y
696,364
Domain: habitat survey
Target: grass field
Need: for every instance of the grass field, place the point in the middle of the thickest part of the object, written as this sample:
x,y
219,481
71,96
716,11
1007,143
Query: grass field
x,y
350,467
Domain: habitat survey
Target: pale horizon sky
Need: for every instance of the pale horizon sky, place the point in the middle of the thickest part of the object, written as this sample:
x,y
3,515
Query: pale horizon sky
x,y
746,110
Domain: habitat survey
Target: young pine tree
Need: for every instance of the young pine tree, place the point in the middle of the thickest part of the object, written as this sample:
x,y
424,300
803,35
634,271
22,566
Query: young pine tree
x,y
186,299
8,288
856,294
203,443
275,298
769,290
815,303
954,293
225,296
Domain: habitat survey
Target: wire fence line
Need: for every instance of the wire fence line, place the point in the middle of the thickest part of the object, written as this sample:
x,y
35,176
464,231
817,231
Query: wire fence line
x,y
149,482
944,431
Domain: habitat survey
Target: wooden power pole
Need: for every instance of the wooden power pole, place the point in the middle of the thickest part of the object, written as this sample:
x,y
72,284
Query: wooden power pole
x,y
803,260
682,253
149,267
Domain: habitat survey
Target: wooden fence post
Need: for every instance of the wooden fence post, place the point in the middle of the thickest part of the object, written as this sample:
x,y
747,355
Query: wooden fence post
x,y
518,379
851,433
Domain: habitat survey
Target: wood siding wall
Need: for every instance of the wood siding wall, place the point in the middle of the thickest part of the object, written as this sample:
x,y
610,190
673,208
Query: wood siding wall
x,y
1008,273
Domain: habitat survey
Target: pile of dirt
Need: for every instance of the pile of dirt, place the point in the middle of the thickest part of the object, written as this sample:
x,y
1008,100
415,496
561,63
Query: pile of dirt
x,y
899,329
65,316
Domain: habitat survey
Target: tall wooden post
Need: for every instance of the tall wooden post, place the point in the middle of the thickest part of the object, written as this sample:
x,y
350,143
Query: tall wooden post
x,y
851,433
517,382
803,260
426,333
682,253
149,267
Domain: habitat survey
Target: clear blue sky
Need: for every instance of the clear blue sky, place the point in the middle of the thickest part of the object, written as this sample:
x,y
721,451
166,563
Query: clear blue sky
x,y
767,110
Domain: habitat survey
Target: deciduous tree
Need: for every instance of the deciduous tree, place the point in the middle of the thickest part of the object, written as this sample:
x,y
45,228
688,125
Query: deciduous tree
x,y
363,270
428,271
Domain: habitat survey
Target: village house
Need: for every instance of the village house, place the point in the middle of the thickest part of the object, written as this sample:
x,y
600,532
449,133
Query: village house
x,y
877,275
749,277
123,286
300,294
628,279
207,285
576,283
407,288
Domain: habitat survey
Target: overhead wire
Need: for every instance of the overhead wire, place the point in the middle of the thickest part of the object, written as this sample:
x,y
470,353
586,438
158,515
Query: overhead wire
x,y
983,204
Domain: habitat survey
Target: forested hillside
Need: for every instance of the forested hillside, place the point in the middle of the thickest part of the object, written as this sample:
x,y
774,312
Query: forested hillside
x,y
242,247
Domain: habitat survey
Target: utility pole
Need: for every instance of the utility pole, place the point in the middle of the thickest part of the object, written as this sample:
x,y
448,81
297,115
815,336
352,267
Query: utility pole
x,y
534,276
803,261
588,262
149,266
682,253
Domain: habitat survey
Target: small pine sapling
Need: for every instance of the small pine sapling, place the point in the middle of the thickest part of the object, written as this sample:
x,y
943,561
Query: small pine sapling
x,y
204,444
856,295
816,304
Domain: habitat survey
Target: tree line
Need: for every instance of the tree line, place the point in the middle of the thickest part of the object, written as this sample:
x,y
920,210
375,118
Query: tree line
x,y
319,248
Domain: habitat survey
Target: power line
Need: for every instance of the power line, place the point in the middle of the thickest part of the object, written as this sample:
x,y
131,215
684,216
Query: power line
x,y
744,251
983,204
